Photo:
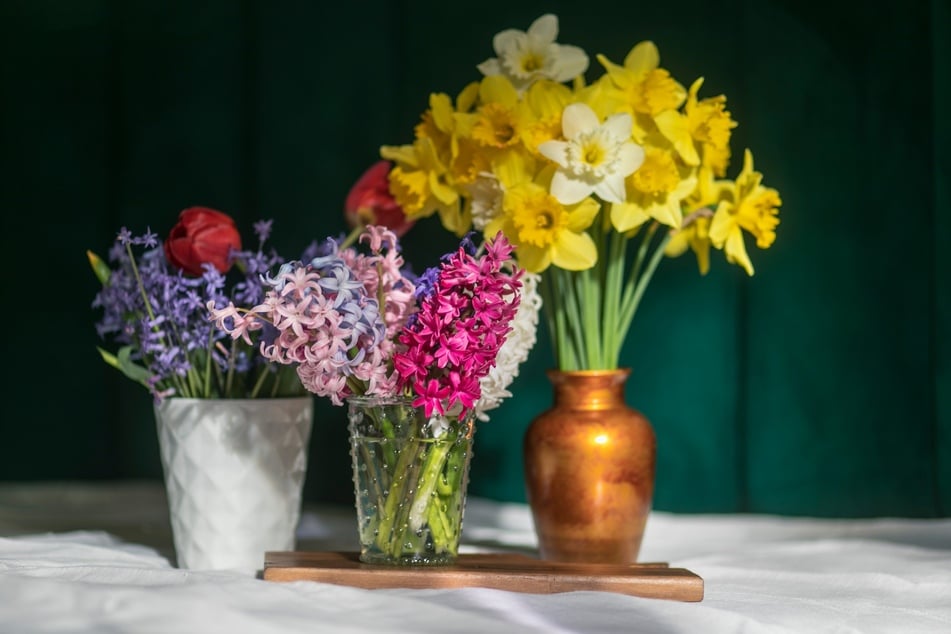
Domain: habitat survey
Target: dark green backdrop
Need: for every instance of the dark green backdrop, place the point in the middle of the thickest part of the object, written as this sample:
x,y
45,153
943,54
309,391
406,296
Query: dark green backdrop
x,y
820,386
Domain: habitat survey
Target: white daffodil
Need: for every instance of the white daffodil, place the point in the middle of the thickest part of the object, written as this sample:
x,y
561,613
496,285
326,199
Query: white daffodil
x,y
595,157
485,199
524,57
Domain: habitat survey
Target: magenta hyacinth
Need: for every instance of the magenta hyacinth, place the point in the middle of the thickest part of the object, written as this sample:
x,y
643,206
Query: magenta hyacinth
x,y
463,319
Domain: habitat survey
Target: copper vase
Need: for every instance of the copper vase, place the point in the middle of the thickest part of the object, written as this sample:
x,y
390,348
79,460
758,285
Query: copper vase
x,y
589,470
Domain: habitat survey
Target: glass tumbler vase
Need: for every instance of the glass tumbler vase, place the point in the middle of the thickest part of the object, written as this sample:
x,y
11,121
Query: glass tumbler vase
x,y
410,474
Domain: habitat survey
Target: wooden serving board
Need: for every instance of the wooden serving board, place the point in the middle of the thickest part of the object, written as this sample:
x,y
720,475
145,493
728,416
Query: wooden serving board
x,y
513,572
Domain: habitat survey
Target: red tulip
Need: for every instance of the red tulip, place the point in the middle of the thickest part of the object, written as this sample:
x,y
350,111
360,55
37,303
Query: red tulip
x,y
202,235
370,202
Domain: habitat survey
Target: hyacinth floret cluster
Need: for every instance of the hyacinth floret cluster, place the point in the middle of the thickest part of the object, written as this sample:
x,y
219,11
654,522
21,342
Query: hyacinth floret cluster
x,y
464,316
514,352
328,318
159,314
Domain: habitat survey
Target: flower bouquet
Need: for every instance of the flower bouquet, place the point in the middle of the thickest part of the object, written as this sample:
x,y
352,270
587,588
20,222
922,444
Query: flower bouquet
x,y
154,313
233,427
592,183
412,358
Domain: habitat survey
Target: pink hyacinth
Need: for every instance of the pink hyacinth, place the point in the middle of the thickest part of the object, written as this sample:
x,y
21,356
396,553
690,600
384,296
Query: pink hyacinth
x,y
336,318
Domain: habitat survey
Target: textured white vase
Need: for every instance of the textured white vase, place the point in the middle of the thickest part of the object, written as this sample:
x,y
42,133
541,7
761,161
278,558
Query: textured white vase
x,y
234,474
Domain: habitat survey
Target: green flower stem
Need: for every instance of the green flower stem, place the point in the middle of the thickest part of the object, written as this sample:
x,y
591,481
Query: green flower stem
x,y
275,385
376,478
259,383
613,284
420,506
574,325
401,475
632,299
448,484
555,327
590,293
229,381
427,501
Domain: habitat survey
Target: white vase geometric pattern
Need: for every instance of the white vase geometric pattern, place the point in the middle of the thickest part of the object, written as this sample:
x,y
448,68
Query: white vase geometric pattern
x,y
234,473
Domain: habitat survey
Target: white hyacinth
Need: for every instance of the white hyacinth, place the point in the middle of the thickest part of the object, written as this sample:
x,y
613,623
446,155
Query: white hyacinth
x,y
514,351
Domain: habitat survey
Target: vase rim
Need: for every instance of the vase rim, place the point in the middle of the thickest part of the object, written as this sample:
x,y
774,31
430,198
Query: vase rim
x,y
592,373
379,398
194,399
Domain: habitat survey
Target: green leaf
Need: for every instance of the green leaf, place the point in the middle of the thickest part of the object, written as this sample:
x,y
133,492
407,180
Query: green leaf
x,y
124,363
100,268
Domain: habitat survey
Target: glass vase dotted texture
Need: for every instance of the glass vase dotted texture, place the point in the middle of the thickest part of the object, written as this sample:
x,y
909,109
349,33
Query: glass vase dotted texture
x,y
234,474
410,474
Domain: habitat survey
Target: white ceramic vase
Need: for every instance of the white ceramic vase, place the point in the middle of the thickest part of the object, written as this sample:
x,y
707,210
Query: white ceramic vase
x,y
234,474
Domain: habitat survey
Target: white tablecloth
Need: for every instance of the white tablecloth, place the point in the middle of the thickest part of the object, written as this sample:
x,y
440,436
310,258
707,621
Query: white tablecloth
x,y
96,558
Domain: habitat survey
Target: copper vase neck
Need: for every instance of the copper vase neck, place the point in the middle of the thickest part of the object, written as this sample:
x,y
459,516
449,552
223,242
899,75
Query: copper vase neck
x,y
589,389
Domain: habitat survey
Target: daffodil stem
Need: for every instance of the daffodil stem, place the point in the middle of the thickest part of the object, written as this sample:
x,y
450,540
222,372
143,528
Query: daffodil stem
x,y
632,299
613,283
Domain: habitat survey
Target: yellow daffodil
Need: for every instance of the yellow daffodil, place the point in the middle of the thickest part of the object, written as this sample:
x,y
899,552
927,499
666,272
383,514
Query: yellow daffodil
x,y
648,89
696,235
702,132
595,157
544,231
496,122
540,112
526,57
749,206
656,190
419,183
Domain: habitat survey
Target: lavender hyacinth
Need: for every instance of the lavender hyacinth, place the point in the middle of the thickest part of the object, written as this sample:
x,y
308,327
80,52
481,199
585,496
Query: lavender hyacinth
x,y
337,316
157,317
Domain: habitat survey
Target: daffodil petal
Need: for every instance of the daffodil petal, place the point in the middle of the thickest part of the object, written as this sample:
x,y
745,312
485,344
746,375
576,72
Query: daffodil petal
x,y
443,192
571,62
499,223
513,168
557,151
577,119
533,259
506,39
544,28
627,216
721,224
617,73
668,213
441,106
490,67
631,157
569,190
620,125
642,58
498,89
673,126
677,245
402,154
574,251
581,216
611,188
702,251
736,250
